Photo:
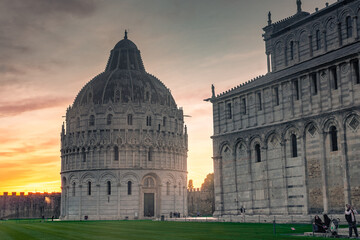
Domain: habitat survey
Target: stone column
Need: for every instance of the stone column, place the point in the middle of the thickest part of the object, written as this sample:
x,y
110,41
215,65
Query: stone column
x,y
338,72
304,164
119,200
267,182
67,202
325,41
98,201
323,171
318,80
345,164
218,188
283,160
329,88
339,34
355,32
300,96
80,201
298,50
62,202
273,61
268,62
236,181
310,45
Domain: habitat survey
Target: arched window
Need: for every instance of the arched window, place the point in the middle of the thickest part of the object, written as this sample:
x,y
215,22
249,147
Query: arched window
x,y
83,155
164,121
257,153
294,146
318,40
130,119
348,27
73,189
168,188
333,139
92,120
89,188
108,188
150,155
116,153
147,96
148,121
291,50
129,187
176,124
109,119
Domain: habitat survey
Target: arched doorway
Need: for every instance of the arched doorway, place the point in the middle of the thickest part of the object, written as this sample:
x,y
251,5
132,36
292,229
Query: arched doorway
x,y
150,196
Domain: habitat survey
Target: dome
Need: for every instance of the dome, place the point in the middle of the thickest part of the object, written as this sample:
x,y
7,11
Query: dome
x,y
125,80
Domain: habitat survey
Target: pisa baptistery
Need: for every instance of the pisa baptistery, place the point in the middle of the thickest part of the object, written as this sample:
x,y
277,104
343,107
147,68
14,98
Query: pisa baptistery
x,y
123,145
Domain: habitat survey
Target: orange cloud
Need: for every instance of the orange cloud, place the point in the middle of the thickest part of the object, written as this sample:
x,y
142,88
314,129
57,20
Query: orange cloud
x,y
15,108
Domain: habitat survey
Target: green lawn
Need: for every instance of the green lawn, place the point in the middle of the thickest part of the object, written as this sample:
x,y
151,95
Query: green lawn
x,y
101,230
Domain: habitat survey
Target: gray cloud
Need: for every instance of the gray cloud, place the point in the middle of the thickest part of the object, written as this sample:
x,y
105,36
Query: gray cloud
x,y
27,26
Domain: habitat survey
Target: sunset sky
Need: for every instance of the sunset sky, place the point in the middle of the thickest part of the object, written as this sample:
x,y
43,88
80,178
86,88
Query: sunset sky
x,y
49,49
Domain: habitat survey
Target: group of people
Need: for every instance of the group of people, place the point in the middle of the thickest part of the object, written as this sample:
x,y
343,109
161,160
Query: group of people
x,y
323,226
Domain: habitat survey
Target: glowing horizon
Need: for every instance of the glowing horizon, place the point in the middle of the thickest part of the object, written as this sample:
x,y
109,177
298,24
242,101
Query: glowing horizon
x,y
52,49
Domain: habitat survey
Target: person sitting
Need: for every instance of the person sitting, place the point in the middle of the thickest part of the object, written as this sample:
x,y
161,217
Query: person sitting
x,y
319,226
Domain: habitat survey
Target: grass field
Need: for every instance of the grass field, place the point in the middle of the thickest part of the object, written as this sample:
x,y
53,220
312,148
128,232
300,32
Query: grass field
x,y
102,230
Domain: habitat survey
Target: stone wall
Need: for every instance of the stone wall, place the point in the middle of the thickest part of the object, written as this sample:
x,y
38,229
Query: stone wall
x,y
33,205
288,142
200,202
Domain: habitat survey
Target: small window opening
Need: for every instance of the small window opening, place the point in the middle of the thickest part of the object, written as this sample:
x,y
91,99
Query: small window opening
x,y
314,83
333,139
294,145
260,102
334,77
108,188
130,119
73,189
296,88
148,121
89,188
244,106
129,187
257,153
116,153
277,98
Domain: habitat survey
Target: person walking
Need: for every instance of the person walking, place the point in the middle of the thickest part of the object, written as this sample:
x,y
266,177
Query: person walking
x,y
350,218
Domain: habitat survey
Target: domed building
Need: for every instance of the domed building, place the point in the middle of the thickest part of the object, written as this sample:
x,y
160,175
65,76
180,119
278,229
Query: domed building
x,y
124,145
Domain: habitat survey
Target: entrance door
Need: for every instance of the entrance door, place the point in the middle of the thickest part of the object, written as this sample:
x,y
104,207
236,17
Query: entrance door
x,y
148,204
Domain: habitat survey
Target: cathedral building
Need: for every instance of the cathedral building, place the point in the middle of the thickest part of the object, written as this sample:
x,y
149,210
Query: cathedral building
x,y
288,142
124,145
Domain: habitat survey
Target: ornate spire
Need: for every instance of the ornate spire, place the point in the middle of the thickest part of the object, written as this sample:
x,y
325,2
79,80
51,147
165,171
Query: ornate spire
x,y
212,90
125,37
298,3
269,18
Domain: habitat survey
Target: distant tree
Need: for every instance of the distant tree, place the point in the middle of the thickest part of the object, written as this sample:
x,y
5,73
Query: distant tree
x,y
191,185
208,185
